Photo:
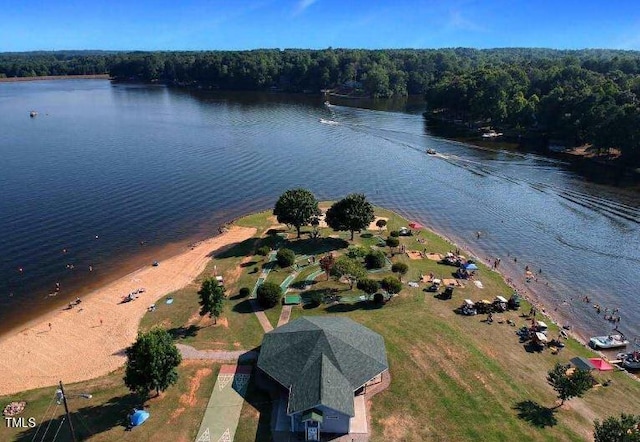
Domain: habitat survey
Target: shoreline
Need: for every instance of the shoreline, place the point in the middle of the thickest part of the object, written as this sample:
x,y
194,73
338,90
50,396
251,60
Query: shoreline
x,y
88,341
90,338
56,77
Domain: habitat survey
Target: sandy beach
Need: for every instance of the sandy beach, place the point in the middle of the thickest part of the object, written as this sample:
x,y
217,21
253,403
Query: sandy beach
x,y
88,340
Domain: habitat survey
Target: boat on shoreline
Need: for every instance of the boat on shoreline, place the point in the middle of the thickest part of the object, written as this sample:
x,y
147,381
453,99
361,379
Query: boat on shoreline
x,y
610,341
630,361
491,134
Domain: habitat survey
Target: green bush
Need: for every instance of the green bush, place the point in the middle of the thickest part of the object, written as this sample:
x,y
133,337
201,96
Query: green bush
x,y
244,292
356,252
314,299
391,285
269,294
392,242
374,259
400,267
264,250
369,286
285,257
394,233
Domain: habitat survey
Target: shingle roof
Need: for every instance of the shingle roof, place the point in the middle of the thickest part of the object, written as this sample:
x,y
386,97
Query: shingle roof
x,y
322,361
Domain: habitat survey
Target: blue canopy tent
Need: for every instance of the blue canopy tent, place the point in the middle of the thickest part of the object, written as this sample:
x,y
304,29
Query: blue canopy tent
x,y
470,266
139,417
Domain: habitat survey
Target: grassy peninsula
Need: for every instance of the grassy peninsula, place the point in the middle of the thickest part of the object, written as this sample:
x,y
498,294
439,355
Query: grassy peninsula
x,y
453,377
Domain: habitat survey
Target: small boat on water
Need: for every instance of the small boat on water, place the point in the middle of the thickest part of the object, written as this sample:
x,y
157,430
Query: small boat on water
x,y
491,134
630,361
611,341
333,123
33,114
326,103
431,151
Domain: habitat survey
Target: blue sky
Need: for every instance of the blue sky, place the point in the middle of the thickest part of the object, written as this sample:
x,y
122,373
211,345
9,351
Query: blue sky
x,y
250,24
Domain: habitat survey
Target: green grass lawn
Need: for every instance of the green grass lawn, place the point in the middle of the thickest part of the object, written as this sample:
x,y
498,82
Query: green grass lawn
x,y
453,377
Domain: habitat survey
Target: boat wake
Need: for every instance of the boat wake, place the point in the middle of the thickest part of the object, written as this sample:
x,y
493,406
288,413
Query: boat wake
x,y
331,122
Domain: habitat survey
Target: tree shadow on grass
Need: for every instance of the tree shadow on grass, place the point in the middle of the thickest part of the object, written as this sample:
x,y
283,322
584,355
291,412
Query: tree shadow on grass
x,y
184,332
302,285
360,305
366,235
316,246
248,264
236,250
243,307
87,421
536,414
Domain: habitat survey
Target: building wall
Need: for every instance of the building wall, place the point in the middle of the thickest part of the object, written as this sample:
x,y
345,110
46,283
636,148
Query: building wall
x,y
333,421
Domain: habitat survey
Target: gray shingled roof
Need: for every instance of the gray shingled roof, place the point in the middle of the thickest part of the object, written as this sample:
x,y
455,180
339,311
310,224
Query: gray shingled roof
x,y
322,361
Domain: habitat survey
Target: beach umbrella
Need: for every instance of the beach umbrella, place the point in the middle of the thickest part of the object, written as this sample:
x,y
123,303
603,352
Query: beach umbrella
x,y
415,225
138,417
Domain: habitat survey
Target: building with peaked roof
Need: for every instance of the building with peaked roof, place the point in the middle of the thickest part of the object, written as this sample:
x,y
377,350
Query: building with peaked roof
x,y
323,363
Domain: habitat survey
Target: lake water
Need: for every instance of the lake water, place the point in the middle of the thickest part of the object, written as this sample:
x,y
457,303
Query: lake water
x,y
105,167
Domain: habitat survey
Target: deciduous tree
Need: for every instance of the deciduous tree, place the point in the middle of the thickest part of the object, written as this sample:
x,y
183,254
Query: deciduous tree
x,y
349,268
296,207
569,385
211,295
623,429
351,213
151,363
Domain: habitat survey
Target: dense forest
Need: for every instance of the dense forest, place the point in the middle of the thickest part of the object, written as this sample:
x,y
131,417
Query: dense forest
x,y
575,97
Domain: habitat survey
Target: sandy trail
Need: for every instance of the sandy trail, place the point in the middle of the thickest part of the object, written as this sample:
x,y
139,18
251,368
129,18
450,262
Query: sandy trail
x,y
88,341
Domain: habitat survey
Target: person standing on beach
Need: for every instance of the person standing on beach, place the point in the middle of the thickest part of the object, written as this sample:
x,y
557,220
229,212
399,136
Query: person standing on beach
x,y
49,326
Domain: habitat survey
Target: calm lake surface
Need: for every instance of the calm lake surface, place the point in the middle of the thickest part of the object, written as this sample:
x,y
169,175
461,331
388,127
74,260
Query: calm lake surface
x,y
104,167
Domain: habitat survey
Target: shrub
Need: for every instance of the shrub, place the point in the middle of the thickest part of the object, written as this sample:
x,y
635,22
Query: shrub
x,y
285,257
400,267
378,298
369,286
314,299
374,259
356,252
263,251
394,233
269,294
244,292
391,285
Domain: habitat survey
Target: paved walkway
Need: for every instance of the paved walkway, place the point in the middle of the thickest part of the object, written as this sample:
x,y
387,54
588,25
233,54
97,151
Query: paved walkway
x,y
262,318
225,404
285,314
188,352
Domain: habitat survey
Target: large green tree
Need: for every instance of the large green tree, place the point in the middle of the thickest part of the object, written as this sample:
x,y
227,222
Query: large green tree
x,y
211,295
269,294
569,385
297,208
151,363
623,429
351,213
350,269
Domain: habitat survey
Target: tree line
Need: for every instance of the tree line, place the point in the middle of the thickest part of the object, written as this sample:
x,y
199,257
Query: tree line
x,y
576,97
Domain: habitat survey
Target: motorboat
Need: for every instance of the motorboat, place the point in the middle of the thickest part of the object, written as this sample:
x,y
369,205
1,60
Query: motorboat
x,y
610,341
491,134
630,361
33,114
431,151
